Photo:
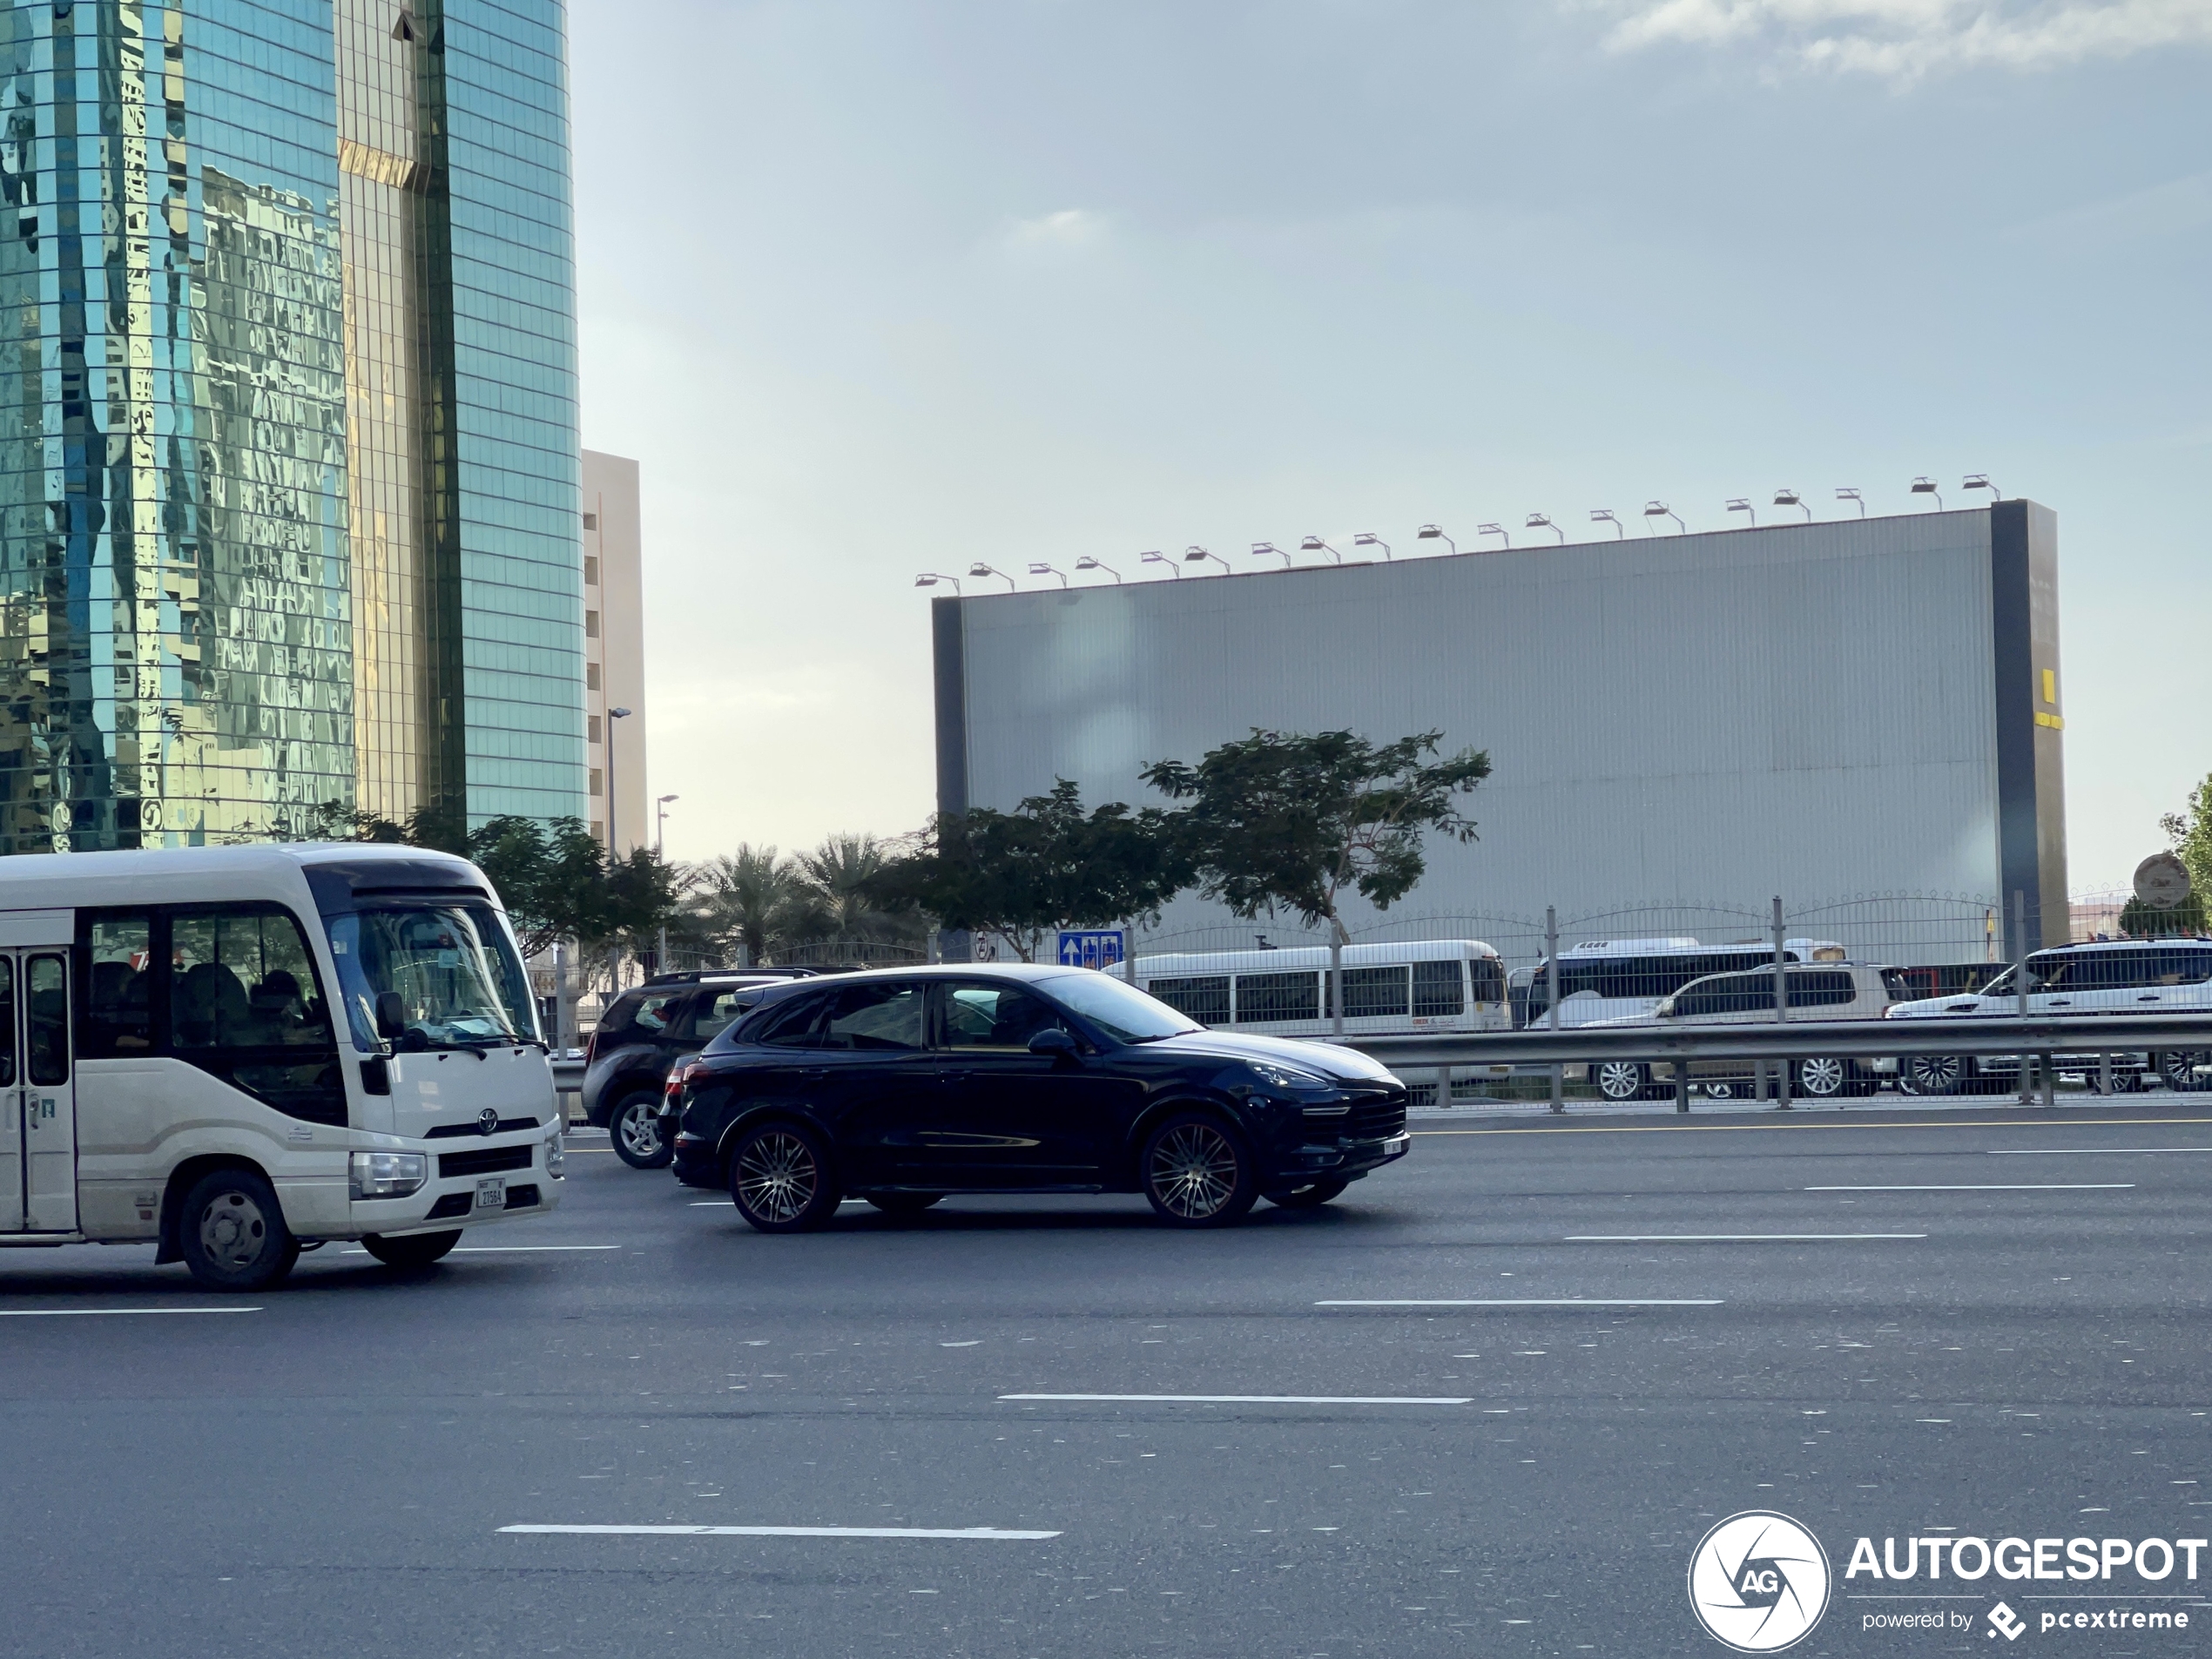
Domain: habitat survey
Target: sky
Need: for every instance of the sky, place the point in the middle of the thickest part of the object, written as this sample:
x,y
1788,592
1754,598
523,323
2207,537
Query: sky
x,y
874,289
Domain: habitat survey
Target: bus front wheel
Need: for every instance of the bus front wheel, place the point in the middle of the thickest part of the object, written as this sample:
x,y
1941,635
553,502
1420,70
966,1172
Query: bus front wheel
x,y
232,1233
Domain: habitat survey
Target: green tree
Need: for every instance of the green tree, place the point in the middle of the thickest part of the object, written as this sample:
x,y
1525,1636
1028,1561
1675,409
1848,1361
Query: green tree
x,y
2185,919
1291,822
2191,831
747,903
1019,876
556,880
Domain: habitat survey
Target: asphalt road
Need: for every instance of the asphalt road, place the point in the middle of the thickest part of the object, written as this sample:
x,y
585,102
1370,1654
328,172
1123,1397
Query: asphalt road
x,y
1993,1344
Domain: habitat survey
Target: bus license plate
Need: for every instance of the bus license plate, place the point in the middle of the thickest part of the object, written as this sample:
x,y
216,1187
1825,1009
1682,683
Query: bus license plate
x,y
492,1194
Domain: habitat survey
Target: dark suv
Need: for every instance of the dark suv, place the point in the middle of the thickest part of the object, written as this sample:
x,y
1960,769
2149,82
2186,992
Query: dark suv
x,y
641,1036
904,1085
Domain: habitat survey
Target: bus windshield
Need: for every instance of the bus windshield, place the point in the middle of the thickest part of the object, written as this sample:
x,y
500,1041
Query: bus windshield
x,y
452,964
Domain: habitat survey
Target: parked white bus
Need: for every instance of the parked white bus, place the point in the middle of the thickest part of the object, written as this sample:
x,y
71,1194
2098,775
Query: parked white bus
x,y
241,1053
1432,985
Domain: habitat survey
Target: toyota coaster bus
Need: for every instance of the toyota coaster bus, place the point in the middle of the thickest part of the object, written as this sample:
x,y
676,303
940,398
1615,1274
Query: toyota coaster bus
x,y
241,1053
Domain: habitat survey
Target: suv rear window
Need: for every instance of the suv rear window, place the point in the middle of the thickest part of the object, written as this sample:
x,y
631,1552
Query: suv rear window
x,y
646,1013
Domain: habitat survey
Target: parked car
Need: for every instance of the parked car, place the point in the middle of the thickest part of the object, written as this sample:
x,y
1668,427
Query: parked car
x,y
1831,991
640,1037
2113,977
901,1087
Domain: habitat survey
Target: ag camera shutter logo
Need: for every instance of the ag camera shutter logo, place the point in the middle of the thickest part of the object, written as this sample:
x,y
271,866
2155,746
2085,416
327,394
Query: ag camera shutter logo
x,y
1759,1582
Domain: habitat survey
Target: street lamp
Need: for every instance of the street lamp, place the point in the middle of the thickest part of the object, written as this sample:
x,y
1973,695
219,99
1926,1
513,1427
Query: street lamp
x,y
1542,522
1195,555
1368,538
1491,529
1161,558
612,716
1740,505
1789,498
1604,516
1660,510
980,568
931,578
1852,495
1435,533
1315,544
1927,487
1261,548
1046,569
1980,481
1086,563
660,837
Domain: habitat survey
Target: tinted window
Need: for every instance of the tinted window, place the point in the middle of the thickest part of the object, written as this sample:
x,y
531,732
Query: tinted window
x,y
1819,990
1121,1010
715,1009
1440,990
1264,999
882,1016
1377,992
996,1016
116,1016
643,1018
1205,1000
1899,983
7,1023
2171,965
46,1019
1489,976
791,1026
1728,993
240,978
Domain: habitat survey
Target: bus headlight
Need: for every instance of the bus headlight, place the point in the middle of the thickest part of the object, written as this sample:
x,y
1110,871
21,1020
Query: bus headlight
x,y
387,1175
556,1154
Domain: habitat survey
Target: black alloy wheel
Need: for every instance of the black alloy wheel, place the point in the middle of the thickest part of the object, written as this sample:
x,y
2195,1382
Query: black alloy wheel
x,y
1930,1073
634,1127
412,1253
780,1178
1199,1172
1312,1195
1721,1089
904,1205
2178,1067
231,1229
1622,1080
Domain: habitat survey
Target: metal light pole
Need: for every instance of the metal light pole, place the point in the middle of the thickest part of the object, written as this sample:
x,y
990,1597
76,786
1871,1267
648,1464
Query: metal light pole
x,y
660,836
614,952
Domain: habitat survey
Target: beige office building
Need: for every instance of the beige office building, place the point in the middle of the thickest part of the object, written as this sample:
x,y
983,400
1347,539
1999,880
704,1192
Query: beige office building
x,y
614,652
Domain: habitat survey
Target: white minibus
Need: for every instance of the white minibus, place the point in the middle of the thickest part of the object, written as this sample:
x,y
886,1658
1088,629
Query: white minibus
x,y
241,1053
1432,985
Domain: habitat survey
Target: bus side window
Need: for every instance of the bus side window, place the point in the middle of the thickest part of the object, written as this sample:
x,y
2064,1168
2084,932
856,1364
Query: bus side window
x,y
117,1017
1440,990
1489,976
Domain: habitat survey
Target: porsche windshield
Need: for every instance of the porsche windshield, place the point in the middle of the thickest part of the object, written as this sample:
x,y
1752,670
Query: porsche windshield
x,y
452,968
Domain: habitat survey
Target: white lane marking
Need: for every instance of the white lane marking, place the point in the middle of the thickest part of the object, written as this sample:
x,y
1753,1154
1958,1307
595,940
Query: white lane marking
x,y
1526,1302
1266,1400
710,1204
495,1250
1722,1238
1972,1186
2079,1152
792,1531
92,1314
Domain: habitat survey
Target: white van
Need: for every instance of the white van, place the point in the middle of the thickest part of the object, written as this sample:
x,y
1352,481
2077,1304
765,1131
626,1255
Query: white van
x,y
1429,985
241,1053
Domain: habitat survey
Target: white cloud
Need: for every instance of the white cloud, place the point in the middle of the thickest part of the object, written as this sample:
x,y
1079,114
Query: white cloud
x,y
1070,227
1905,39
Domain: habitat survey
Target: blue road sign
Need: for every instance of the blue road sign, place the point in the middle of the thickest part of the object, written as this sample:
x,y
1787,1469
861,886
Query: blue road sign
x,y
1091,946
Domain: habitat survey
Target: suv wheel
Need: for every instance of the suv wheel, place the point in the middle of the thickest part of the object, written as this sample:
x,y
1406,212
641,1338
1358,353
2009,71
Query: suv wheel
x,y
1930,1073
1827,1078
1620,1079
2179,1068
780,1179
634,1127
1199,1172
231,1229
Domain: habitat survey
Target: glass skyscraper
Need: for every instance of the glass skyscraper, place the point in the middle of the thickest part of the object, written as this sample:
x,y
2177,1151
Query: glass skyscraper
x,y
288,457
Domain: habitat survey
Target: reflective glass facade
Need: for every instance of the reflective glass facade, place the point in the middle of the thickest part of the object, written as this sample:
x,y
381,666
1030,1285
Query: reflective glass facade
x,y
287,417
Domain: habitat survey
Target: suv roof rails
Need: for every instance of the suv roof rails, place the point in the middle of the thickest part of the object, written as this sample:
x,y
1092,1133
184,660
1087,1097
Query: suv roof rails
x,y
694,975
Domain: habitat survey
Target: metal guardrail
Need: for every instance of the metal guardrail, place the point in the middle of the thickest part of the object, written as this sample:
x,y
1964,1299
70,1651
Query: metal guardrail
x,y
568,1075
1796,1039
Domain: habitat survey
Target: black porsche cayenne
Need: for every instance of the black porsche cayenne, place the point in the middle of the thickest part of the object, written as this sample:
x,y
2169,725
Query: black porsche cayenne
x,y
901,1087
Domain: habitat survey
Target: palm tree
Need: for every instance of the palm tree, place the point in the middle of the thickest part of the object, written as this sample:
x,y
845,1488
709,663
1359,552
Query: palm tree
x,y
833,877
751,902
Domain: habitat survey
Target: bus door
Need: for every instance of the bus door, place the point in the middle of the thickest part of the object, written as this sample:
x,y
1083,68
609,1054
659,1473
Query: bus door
x,y
38,1098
